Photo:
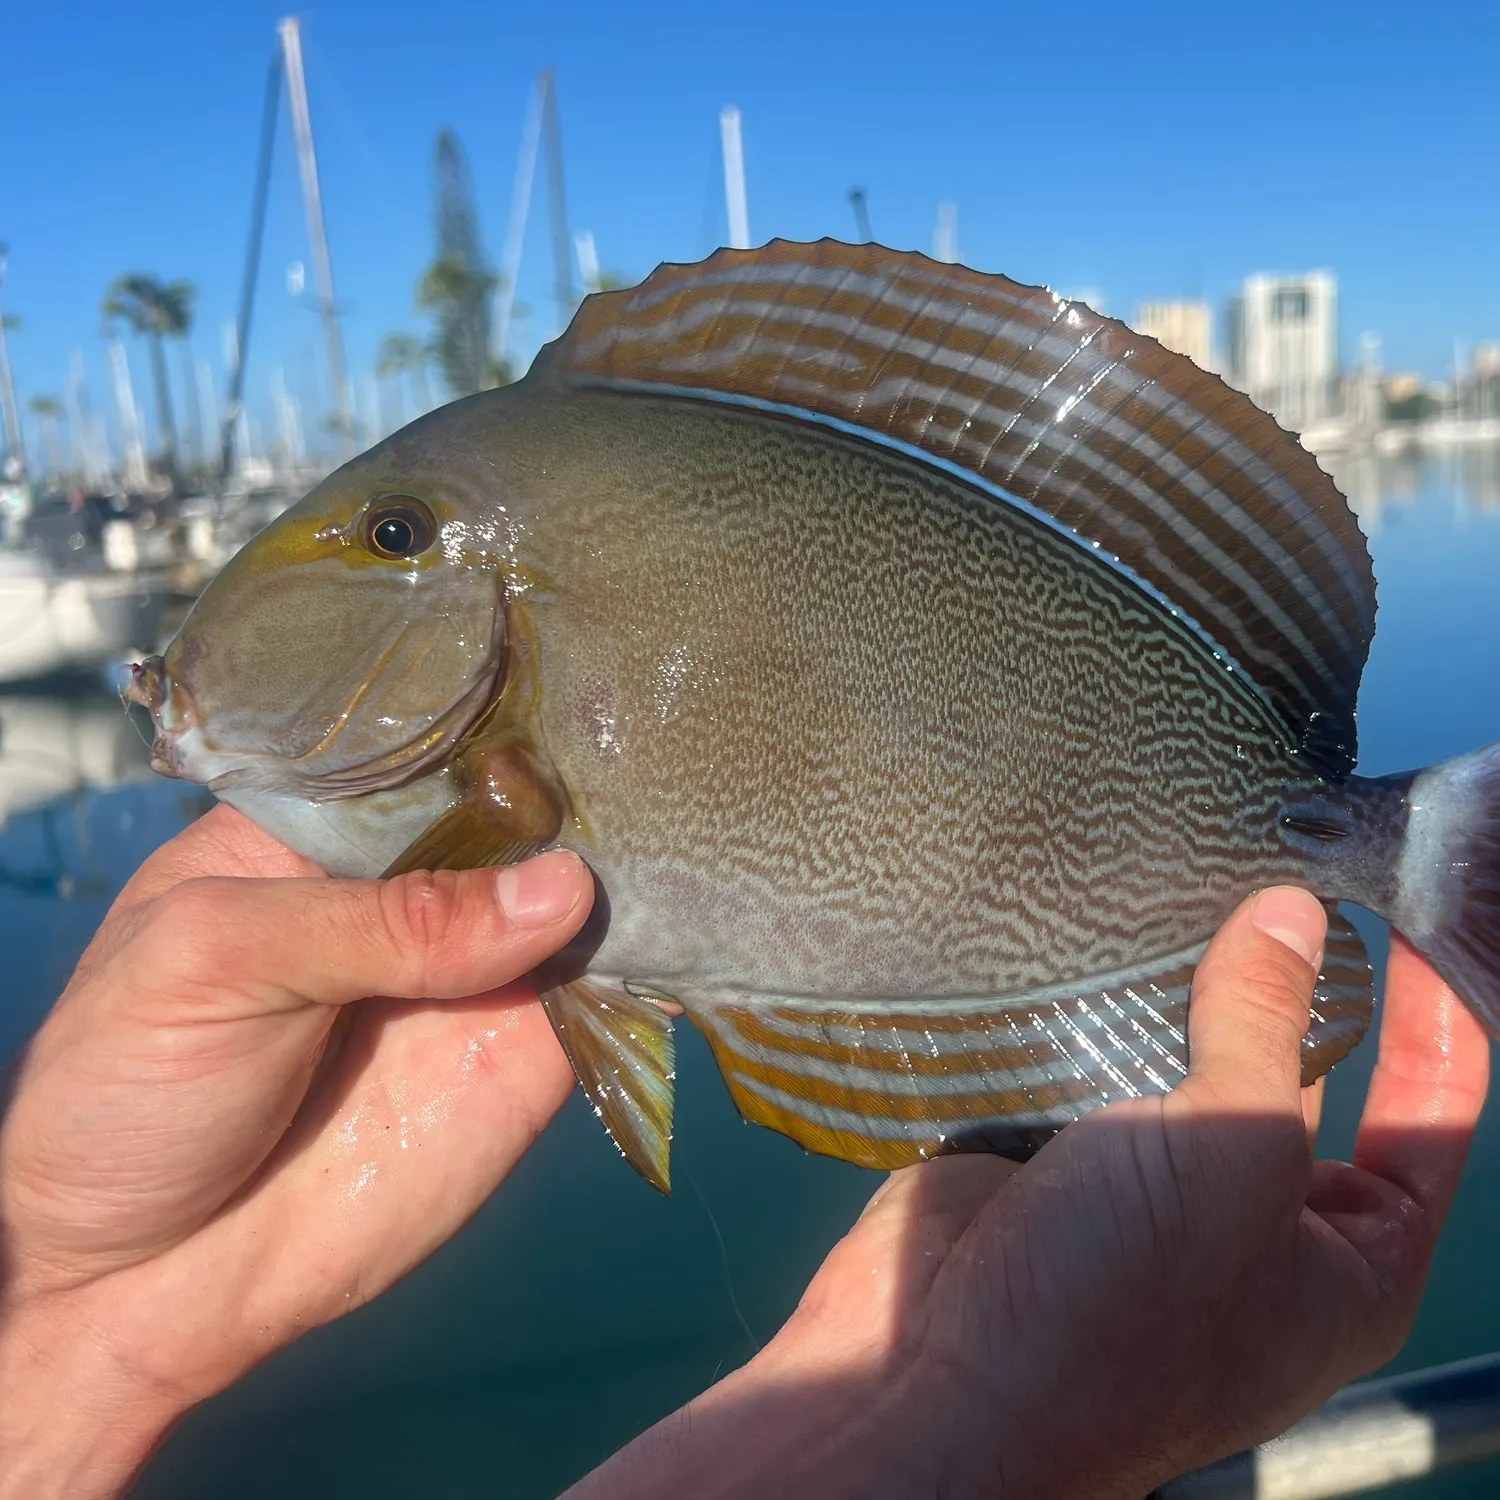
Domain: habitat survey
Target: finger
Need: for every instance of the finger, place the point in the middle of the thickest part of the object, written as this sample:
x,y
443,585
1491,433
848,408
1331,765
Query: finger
x,y
919,1212
1312,1108
943,1195
221,842
259,946
1251,997
1428,1086
413,1123
872,1285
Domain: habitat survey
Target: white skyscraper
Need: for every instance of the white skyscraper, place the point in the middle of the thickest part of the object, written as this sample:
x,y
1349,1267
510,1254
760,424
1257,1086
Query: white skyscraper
x,y
1186,327
1284,345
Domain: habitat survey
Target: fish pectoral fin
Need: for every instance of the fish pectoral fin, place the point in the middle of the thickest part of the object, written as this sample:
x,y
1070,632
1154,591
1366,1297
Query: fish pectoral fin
x,y
621,1049
659,998
513,808
885,1083
462,839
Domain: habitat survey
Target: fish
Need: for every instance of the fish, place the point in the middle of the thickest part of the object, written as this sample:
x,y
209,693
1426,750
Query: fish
x,y
924,664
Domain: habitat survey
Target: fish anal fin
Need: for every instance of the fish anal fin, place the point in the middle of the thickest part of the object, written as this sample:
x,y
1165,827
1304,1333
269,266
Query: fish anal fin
x,y
1343,1002
622,1052
885,1083
1184,483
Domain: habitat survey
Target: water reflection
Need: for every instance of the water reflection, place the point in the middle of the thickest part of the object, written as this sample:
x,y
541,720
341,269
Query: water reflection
x,y
1379,483
79,810
59,742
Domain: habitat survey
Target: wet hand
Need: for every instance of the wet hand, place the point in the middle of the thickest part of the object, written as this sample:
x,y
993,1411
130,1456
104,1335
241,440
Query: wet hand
x,y
209,1147
1169,1281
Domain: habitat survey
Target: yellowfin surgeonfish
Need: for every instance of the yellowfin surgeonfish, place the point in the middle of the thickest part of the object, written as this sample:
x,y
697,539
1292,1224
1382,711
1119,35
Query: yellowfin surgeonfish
x,y
924,664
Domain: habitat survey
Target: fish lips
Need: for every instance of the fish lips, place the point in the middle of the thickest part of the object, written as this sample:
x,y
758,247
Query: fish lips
x,y
171,709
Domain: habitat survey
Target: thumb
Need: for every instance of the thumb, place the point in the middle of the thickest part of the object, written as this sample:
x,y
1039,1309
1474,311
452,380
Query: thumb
x,y
281,943
1251,997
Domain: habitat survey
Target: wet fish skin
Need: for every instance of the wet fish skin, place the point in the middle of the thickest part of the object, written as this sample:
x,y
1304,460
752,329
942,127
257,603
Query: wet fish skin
x,y
972,779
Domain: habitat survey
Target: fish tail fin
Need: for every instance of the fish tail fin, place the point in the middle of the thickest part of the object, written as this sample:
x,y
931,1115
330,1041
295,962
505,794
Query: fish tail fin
x,y
1447,896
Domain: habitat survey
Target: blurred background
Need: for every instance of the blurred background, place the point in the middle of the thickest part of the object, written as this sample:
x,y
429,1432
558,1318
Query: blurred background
x,y
241,246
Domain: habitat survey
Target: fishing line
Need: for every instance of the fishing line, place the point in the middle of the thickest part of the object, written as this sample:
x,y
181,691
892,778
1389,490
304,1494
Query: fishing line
x,y
713,1224
134,721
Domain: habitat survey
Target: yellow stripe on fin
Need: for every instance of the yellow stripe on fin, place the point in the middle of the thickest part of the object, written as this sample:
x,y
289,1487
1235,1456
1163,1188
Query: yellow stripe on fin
x,y
622,1053
885,1083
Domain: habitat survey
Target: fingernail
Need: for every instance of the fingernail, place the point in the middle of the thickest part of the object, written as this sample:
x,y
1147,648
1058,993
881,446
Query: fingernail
x,y
1292,916
541,891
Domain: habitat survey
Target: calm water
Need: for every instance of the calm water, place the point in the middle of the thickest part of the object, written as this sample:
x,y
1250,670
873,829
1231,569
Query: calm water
x,y
579,1305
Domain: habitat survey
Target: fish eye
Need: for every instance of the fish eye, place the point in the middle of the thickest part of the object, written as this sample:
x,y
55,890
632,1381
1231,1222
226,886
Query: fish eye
x,y
399,526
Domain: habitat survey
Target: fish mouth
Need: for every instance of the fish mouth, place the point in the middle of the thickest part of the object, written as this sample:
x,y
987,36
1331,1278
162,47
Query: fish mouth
x,y
182,748
172,713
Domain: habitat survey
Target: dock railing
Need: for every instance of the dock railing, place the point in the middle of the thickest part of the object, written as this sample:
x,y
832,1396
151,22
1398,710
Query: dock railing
x,y
1367,1436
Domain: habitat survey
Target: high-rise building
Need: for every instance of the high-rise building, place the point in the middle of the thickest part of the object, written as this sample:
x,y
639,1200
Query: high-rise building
x,y
1283,345
1187,327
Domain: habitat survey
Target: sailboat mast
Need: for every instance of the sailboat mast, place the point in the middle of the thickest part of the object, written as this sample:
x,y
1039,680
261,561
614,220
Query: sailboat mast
x,y
734,178
557,202
290,30
231,414
127,414
945,235
860,203
15,450
520,210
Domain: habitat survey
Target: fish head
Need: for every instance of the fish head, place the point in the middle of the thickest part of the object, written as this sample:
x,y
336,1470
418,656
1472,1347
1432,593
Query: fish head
x,y
346,647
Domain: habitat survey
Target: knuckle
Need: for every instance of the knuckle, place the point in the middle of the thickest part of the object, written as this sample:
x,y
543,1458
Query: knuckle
x,y
422,915
1270,982
1275,975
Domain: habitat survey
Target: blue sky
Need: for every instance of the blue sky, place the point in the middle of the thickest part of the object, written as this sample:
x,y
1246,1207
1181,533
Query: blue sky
x,y
1143,150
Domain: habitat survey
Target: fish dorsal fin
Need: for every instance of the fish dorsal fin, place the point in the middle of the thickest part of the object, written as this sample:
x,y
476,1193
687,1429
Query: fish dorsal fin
x,y
1136,451
889,1083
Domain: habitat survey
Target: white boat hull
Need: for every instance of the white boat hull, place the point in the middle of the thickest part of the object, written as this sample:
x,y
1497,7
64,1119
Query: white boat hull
x,y
56,622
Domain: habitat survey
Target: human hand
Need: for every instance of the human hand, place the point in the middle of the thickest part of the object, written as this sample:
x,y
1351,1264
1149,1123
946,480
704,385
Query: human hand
x,y
208,1149
1168,1281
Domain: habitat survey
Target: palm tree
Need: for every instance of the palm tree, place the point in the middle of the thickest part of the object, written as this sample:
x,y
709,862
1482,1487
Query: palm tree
x,y
458,297
159,310
405,354
48,411
457,287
